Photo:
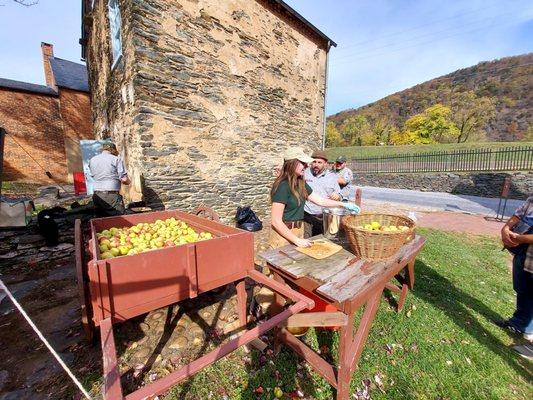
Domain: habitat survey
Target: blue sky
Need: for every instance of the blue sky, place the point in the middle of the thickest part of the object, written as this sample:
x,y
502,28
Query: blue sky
x,y
383,45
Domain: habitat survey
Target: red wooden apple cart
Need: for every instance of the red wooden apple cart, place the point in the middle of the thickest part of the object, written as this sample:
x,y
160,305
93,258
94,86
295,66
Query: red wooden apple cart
x,y
117,289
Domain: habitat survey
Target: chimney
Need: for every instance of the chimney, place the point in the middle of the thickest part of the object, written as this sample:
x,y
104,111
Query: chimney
x,y
48,51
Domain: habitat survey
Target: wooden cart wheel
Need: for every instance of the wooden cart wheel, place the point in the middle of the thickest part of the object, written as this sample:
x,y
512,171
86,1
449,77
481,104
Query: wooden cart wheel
x,y
83,292
207,213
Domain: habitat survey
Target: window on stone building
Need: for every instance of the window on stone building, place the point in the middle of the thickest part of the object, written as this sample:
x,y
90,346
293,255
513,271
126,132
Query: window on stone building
x,y
115,27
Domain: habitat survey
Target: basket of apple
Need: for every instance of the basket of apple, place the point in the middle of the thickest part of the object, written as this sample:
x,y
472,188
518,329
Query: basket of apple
x,y
377,236
115,242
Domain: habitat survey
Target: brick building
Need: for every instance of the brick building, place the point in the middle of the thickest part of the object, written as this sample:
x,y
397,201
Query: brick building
x,y
202,97
45,123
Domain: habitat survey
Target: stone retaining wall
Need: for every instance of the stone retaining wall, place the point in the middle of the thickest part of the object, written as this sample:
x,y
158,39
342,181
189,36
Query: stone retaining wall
x,y
474,184
25,247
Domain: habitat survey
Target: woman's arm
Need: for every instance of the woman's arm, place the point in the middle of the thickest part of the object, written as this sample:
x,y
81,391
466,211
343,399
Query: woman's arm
x,y
281,228
323,202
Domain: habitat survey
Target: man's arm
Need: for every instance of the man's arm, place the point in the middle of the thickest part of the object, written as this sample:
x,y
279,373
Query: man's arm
x,y
122,174
521,239
345,178
507,235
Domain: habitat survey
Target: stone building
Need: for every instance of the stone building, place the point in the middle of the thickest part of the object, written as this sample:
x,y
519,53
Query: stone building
x,y
45,123
203,96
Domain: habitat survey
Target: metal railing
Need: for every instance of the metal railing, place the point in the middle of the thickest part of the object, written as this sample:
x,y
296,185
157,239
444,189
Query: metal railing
x,y
503,159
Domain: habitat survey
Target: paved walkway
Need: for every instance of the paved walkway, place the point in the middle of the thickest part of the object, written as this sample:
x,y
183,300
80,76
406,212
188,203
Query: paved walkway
x,y
458,222
436,201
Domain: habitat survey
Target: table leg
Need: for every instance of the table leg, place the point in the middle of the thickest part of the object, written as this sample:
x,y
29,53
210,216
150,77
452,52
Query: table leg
x,y
410,276
276,307
344,370
407,284
356,347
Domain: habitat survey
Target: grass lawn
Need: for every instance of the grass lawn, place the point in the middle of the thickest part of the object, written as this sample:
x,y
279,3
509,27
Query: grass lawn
x,y
442,346
373,151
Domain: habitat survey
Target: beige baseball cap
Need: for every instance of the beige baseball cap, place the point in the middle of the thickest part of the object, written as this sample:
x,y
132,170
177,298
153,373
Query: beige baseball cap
x,y
296,153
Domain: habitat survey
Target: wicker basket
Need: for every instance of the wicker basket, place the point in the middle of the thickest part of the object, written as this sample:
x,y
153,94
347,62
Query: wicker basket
x,y
376,245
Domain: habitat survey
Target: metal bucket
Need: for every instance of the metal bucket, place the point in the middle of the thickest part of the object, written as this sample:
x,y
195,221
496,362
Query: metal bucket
x,y
331,219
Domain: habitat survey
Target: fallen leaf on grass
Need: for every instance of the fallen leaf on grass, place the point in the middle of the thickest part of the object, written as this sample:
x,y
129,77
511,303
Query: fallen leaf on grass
x,y
379,381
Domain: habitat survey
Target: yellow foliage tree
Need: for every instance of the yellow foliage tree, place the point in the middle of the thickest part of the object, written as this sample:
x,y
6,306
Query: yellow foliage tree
x,y
333,137
434,125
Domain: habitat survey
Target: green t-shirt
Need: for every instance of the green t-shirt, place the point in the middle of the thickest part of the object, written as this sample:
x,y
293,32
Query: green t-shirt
x,y
293,211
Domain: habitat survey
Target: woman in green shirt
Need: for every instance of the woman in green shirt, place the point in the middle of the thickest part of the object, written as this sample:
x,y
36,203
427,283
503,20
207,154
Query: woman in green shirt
x,y
289,193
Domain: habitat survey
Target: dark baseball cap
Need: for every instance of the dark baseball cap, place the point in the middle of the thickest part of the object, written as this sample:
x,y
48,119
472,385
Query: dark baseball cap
x,y
341,159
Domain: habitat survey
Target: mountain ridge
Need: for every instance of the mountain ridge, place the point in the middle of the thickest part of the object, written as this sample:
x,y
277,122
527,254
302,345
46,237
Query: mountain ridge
x,y
504,80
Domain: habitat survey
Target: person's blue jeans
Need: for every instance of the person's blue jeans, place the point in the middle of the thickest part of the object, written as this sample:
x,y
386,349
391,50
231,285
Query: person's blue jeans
x,y
522,318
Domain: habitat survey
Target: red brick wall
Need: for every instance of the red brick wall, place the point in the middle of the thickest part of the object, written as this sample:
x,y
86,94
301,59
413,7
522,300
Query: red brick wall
x,y
32,120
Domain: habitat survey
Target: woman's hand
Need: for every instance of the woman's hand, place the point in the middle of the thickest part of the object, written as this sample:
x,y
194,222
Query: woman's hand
x,y
352,207
302,242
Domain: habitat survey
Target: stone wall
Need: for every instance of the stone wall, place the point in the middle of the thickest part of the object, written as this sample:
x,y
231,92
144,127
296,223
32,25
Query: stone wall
x,y
112,90
26,247
220,90
474,184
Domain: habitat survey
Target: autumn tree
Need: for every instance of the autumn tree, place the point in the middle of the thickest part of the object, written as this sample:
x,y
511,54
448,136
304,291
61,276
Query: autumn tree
x,y
528,136
471,114
353,129
333,136
434,125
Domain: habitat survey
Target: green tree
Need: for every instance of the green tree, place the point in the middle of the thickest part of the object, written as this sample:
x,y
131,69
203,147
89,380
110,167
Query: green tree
x,y
353,129
434,125
528,137
333,136
471,114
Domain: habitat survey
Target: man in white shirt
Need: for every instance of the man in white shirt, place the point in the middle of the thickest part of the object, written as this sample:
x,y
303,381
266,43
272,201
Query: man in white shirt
x,y
108,172
324,183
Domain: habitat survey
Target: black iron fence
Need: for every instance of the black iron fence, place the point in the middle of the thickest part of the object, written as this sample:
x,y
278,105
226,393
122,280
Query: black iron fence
x,y
504,159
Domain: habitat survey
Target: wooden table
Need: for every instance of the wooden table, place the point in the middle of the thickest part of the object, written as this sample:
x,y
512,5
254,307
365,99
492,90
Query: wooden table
x,y
347,283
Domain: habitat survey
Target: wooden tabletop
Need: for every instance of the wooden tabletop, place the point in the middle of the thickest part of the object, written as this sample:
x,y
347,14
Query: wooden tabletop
x,y
340,276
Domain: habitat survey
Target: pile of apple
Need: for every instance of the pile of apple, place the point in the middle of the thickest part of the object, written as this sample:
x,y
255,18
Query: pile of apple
x,y
376,226
115,242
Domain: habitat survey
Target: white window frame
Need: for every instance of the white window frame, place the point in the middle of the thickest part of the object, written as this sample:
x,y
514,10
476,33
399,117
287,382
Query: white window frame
x,y
115,27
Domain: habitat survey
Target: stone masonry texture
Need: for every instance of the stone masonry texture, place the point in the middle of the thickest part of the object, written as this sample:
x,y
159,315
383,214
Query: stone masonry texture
x,y
484,184
206,98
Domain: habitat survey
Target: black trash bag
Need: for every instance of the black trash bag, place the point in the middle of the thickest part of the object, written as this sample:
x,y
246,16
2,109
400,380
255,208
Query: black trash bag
x,y
247,220
48,227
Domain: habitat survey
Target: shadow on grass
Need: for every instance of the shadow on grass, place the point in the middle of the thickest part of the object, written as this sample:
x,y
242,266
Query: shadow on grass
x,y
438,290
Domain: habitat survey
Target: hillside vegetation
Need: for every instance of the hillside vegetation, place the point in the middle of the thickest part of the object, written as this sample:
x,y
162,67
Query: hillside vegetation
x,y
491,101
375,151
